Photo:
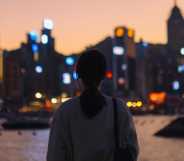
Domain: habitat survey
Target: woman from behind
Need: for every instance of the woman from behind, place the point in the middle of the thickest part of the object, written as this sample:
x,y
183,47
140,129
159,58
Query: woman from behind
x,y
83,127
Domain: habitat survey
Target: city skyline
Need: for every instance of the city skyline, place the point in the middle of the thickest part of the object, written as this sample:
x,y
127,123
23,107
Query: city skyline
x,y
90,20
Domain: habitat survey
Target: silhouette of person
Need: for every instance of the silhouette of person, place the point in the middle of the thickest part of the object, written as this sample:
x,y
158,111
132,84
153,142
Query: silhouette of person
x,y
82,128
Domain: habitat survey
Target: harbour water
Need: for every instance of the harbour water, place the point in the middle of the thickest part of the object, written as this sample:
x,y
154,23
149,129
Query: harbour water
x,y
32,145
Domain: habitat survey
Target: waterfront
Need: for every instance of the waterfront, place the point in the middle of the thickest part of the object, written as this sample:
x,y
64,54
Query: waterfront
x,y
26,146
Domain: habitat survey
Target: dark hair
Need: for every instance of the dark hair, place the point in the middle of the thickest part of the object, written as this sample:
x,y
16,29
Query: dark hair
x,y
91,68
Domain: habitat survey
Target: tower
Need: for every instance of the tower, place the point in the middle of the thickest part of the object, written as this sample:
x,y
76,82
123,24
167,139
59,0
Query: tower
x,y
175,29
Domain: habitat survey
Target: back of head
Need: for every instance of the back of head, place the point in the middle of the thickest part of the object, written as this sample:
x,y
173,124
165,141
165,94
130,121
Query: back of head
x,y
91,68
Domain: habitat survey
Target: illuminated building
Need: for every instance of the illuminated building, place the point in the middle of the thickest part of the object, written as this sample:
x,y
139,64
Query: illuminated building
x,y
13,78
34,67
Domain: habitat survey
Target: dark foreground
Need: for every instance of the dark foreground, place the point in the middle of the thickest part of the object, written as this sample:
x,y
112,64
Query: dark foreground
x,y
32,145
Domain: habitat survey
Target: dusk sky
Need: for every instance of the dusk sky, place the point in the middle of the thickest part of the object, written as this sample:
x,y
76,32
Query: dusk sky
x,y
79,23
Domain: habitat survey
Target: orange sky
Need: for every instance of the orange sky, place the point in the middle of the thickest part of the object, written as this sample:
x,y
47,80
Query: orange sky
x,y
79,23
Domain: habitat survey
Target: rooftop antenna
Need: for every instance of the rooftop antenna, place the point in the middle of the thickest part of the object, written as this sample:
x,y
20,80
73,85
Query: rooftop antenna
x,y
175,2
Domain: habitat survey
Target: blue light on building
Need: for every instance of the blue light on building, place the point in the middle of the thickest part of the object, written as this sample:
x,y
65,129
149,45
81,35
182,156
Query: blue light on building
x,y
38,69
145,44
34,48
75,75
181,69
33,36
69,61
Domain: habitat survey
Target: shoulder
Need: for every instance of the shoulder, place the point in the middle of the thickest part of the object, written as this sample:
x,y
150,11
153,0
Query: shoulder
x,y
67,107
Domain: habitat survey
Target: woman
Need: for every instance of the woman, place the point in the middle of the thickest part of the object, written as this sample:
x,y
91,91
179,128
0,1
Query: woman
x,y
83,127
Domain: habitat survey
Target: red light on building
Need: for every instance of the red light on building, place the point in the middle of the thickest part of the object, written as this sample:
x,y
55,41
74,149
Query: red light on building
x,y
157,97
108,74
48,105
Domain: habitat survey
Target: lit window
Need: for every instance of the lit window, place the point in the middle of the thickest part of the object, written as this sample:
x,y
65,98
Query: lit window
x,y
66,78
44,39
38,69
118,50
176,85
38,95
181,68
48,24
124,67
54,100
182,51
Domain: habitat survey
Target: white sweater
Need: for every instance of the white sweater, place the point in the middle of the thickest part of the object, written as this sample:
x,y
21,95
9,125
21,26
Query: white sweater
x,y
74,136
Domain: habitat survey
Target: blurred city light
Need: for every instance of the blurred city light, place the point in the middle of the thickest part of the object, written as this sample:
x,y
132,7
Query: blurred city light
x,y
65,99
109,74
33,36
118,50
34,48
38,95
38,69
48,24
181,68
119,32
36,56
176,85
130,33
129,104
69,61
139,104
44,39
145,44
75,75
124,67
54,100
66,78
134,104
64,95
182,51
157,97
121,81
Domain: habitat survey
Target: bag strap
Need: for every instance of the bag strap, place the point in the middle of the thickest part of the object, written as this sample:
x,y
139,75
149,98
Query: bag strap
x,y
116,130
